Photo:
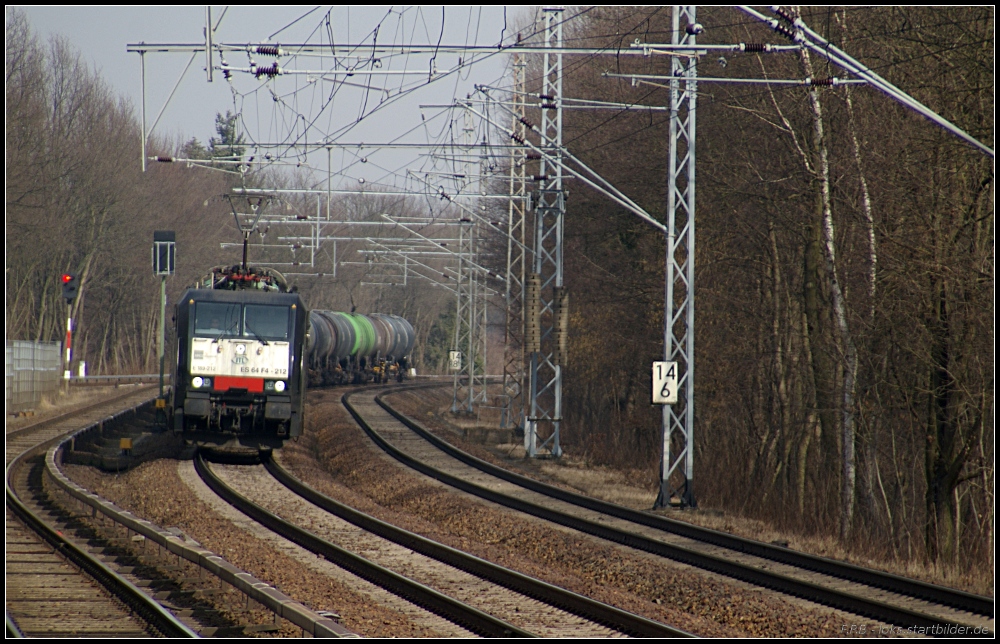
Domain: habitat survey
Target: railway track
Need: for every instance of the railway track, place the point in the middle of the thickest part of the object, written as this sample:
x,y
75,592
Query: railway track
x,y
481,597
24,439
55,587
139,566
905,605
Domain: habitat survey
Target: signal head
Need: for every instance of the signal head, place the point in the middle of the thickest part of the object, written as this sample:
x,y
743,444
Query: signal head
x,y
70,287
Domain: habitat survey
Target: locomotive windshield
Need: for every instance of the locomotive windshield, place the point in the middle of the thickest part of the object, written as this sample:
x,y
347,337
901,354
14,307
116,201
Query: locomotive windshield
x,y
261,321
267,322
216,319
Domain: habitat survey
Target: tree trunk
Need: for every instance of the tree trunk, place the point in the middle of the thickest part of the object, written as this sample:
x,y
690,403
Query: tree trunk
x,y
847,349
940,529
823,367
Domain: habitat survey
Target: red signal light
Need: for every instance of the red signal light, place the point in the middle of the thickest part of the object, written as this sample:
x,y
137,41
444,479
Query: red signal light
x,y
70,286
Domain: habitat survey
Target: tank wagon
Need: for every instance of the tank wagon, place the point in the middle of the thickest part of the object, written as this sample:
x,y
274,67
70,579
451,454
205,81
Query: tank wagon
x,y
351,348
241,338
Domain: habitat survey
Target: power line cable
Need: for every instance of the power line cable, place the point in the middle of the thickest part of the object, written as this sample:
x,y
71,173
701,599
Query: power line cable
x,y
293,22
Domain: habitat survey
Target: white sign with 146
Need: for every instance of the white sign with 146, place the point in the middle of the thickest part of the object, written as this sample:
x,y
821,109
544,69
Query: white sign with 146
x,y
664,383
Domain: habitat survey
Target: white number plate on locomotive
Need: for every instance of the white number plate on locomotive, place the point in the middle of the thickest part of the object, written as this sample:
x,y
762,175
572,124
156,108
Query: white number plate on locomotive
x,y
224,358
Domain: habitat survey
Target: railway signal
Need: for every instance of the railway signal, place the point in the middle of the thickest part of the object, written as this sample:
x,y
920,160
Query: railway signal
x,y
164,242
71,287
163,252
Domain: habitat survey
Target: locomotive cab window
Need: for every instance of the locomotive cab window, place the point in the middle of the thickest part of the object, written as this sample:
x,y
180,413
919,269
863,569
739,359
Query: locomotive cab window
x,y
265,322
216,319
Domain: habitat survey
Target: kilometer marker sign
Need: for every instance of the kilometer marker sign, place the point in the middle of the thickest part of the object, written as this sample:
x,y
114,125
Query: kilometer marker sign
x,y
664,383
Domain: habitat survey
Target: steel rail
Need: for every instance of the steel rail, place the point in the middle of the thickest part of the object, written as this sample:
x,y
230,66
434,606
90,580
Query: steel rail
x,y
970,602
451,609
136,378
585,607
141,604
13,631
150,611
45,422
269,597
782,583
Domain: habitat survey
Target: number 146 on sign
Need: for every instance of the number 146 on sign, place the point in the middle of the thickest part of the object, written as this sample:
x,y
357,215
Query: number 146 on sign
x,y
664,383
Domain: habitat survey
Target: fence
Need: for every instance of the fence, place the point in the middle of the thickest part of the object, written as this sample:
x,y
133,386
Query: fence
x,y
32,370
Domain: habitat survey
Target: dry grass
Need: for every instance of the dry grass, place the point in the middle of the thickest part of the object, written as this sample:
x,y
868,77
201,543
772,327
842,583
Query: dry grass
x,y
980,583
60,403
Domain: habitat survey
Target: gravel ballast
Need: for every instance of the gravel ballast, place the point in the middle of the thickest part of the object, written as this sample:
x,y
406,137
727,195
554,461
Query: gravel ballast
x,y
338,459
156,491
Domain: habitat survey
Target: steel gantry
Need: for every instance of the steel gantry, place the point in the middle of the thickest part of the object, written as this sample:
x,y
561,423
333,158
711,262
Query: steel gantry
x,y
469,337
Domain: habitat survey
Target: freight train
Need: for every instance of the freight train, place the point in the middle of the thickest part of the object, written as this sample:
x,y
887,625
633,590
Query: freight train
x,y
350,348
247,348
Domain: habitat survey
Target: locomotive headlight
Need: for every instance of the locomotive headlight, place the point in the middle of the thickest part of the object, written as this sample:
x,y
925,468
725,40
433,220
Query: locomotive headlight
x,y
241,349
197,382
279,386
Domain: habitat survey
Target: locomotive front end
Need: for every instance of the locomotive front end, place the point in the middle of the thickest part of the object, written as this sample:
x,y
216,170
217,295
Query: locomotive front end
x,y
237,368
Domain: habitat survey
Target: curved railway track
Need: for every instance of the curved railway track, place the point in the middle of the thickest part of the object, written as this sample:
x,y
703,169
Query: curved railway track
x,y
488,600
902,603
80,607
55,588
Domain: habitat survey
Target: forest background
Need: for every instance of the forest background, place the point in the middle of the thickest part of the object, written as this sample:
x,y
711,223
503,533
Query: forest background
x,y
844,264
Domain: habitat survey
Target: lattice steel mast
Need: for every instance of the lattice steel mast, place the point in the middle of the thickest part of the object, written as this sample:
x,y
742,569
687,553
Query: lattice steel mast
x,y
513,364
677,465
545,368
470,307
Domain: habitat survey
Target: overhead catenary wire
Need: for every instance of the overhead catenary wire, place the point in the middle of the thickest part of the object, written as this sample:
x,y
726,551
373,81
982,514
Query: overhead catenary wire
x,y
586,174
294,140
802,35
296,130
238,97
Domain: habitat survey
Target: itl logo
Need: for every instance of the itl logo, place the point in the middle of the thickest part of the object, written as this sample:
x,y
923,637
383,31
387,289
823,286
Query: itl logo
x,y
239,359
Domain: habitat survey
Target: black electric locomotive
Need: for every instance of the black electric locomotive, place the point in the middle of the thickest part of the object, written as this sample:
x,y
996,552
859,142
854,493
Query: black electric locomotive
x,y
241,338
